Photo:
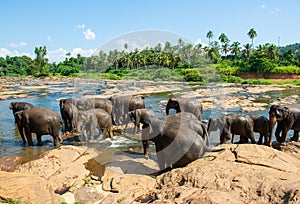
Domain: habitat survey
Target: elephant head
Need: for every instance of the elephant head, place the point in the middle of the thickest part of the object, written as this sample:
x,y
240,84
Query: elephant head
x,y
173,103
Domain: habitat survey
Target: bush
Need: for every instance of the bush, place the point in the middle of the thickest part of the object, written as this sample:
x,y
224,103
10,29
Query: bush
x,y
232,79
286,69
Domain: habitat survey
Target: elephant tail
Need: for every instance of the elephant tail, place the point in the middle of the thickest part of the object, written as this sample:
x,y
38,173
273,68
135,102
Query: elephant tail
x,y
210,149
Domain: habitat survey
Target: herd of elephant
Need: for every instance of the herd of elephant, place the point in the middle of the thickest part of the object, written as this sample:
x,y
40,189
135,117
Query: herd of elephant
x,y
179,138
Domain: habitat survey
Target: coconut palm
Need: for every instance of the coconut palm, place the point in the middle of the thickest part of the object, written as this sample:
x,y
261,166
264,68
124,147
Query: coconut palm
x,y
223,38
252,34
235,48
209,35
247,50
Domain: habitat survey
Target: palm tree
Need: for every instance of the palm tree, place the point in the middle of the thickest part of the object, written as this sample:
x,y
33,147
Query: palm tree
x,y
223,38
247,50
235,48
252,34
209,35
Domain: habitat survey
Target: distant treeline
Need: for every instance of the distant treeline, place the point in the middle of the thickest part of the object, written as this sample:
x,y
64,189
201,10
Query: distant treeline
x,y
228,58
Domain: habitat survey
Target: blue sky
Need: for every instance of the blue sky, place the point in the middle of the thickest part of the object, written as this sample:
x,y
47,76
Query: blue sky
x,y
85,26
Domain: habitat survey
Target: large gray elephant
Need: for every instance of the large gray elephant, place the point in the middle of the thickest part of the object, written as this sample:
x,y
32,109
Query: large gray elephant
x,y
287,118
183,119
176,144
233,124
92,119
18,106
122,104
41,121
185,105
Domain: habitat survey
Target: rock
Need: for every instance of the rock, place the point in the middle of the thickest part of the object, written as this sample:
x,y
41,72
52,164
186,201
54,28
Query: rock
x,y
26,188
64,167
118,182
242,174
88,195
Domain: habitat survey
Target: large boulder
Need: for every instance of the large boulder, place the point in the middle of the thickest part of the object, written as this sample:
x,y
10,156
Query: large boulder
x,y
26,188
64,167
241,174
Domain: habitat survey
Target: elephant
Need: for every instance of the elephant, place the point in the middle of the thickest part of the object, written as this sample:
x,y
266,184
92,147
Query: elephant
x,y
232,124
288,118
18,106
92,119
176,144
41,121
122,104
187,120
261,125
137,116
69,113
185,105
105,104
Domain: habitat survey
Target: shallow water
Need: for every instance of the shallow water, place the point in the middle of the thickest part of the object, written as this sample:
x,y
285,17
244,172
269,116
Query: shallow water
x,y
10,140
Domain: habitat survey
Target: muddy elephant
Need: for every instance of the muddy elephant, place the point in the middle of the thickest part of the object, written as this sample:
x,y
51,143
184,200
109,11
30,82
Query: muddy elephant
x,y
233,124
18,106
92,119
176,144
122,104
287,118
41,121
185,105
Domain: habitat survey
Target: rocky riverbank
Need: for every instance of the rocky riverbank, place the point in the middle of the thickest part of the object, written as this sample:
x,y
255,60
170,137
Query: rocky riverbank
x,y
241,174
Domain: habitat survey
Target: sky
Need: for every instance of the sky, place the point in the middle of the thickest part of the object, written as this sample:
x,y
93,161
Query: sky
x,y
85,27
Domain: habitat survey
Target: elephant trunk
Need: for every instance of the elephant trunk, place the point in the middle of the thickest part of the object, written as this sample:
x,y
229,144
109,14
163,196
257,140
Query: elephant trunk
x,y
272,122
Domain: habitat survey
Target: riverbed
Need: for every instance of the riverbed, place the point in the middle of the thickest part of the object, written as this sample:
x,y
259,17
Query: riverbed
x,y
216,99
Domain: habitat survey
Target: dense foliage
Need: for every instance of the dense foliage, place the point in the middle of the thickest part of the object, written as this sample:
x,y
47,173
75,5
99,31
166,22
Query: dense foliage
x,y
220,60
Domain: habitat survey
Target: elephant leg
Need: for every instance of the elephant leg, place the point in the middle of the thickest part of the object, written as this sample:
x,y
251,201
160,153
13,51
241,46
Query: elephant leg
x,y
251,137
110,132
232,138
295,136
277,132
39,139
260,139
85,135
28,137
21,131
283,136
146,148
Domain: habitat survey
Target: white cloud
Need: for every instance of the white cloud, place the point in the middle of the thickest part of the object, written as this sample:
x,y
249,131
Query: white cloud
x,y
89,34
132,45
4,52
80,27
263,6
17,45
49,38
60,54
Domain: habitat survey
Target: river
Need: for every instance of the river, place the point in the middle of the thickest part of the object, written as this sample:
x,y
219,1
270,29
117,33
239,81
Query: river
x,y
10,141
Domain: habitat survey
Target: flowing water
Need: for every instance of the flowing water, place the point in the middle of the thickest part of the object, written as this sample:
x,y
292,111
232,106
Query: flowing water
x,y
11,144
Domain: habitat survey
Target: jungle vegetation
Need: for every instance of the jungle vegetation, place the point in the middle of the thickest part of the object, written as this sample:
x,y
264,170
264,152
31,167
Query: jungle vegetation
x,y
220,60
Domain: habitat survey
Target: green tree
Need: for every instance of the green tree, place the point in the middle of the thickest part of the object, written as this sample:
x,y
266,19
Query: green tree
x,y
252,34
235,48
209,35
40,67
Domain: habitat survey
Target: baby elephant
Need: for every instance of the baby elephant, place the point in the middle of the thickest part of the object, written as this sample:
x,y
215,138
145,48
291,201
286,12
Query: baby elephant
x,y
92,119
41,121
